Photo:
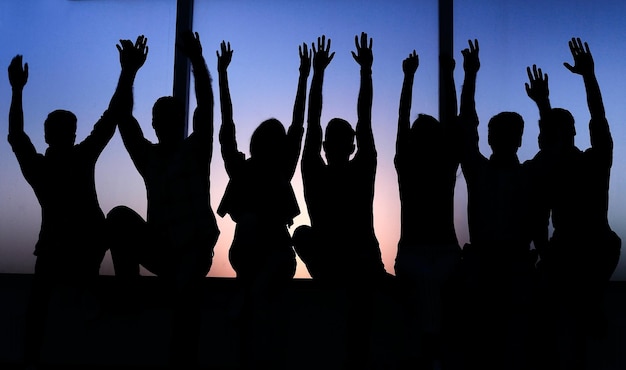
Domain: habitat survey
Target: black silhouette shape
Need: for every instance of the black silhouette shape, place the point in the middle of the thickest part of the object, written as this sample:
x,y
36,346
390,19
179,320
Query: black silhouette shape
x,y
427,159
260,199
177,240
340,248
340,243
497,264
259,196
70,248
583,251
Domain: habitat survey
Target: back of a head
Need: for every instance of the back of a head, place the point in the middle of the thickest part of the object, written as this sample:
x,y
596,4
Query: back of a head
x,y
168,119
60,128
269,140
557,129
505,131
427,134
339,140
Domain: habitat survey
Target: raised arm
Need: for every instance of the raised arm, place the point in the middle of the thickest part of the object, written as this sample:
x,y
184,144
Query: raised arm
x,y
471,65
132,58
296,128
297,121
23,148
468,116
18,76
583,65
321,59
203,115
365,58
537,90
409,66
228,140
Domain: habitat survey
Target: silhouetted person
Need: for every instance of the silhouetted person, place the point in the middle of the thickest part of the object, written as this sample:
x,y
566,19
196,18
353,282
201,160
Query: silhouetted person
x,y
340,248
176,241
260,200
340,243
427,159
497,262
70,248
583,251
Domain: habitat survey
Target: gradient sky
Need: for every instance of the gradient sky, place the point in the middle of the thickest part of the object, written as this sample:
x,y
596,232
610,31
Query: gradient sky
x,y
70,48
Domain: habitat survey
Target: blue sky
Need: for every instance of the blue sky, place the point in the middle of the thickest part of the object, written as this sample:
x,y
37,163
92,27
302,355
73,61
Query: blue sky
x,y
70,47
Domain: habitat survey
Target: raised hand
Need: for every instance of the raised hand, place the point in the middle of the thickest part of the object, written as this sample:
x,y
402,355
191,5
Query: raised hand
x,y
224,60
471,62
363,54
305,59
537,89
410,64
583,61
321,58
190,45
18,74
133,56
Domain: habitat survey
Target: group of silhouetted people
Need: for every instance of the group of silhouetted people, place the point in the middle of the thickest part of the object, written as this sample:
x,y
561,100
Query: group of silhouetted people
x,y
530,307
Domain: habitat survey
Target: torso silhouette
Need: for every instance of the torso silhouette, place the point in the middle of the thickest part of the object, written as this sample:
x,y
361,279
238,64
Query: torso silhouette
x,y
63,181
426,183
177,185
498,202
340,203
259,189
260,199
580,194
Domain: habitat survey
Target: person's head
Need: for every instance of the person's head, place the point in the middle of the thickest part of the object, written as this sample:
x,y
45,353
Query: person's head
x,y
427,135
505,132
60,128
168,120
339,141
268,141
557,130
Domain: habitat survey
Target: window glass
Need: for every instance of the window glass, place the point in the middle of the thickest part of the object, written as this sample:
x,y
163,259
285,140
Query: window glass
x,y
74,65
516,34
263,76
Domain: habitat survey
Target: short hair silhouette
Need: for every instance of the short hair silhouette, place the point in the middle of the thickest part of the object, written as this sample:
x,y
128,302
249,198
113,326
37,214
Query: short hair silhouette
x,y
60,128
558,128
505,131
168,119
339,139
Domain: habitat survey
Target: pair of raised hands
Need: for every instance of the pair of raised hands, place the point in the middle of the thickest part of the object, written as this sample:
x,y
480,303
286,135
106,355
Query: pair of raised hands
x,y
471,62
133,56
537,87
